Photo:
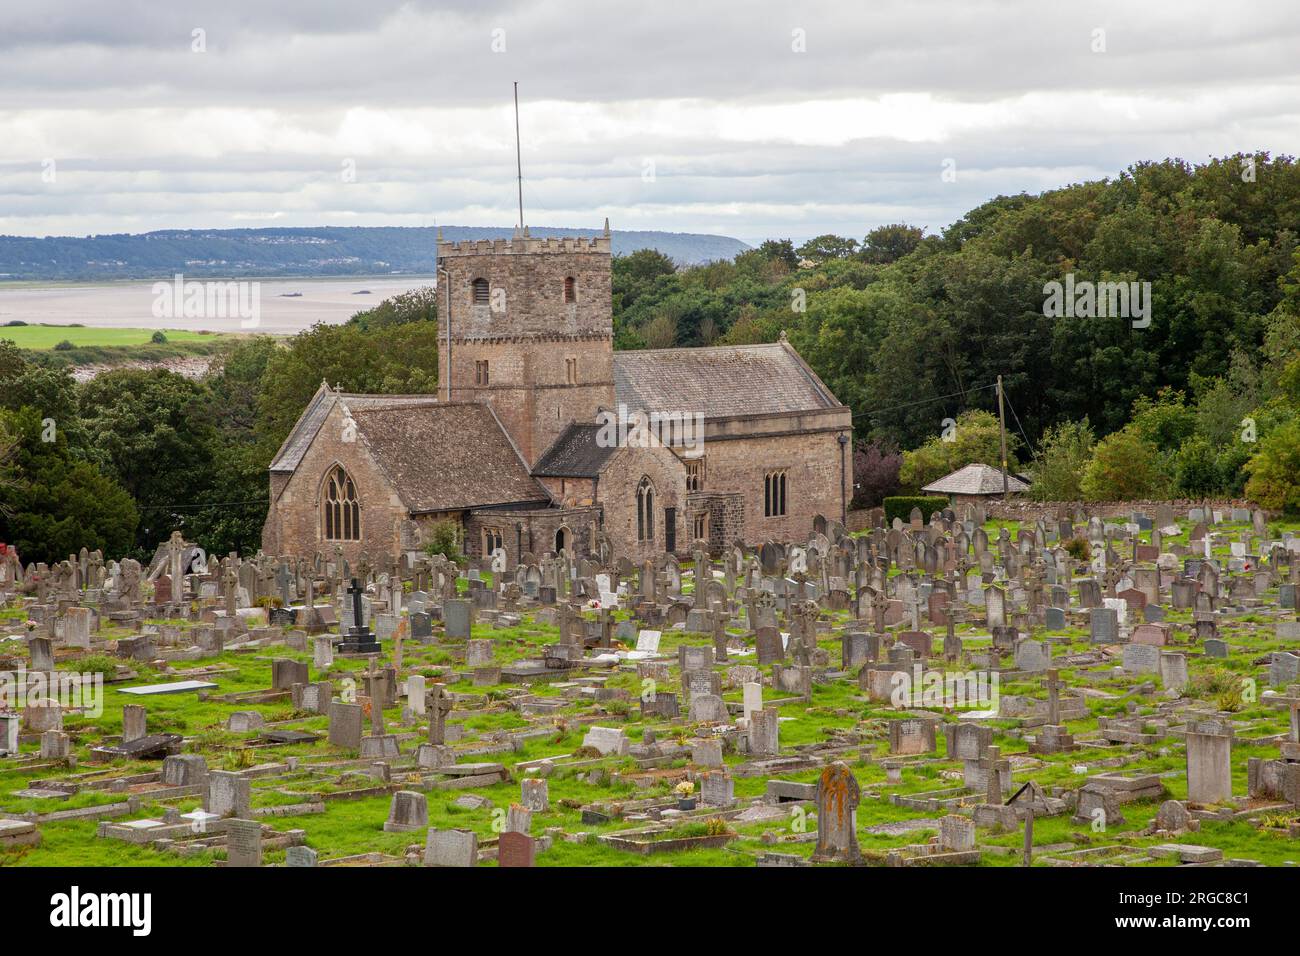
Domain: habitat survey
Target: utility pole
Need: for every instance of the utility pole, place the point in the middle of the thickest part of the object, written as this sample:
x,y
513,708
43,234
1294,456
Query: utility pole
x,y
1002,430
519,161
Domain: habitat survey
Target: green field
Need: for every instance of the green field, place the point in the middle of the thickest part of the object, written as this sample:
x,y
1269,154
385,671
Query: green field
x,y
48,336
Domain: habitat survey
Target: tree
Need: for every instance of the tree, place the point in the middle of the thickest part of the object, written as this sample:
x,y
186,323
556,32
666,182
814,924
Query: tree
x,y
396,358
660,332
779,250
644,265
415,305
875,473
444,539
974,438
1196,469
1062,457
49,389
886,244
1123,466
8,480
827,247
1165,421
56,504
1274,470
151,431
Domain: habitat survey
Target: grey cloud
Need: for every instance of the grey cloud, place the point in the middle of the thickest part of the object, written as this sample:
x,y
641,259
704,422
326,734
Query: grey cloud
x,y
1200,79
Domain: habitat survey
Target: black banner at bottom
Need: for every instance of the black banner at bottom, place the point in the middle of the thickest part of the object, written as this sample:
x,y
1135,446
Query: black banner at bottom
x,y
140,906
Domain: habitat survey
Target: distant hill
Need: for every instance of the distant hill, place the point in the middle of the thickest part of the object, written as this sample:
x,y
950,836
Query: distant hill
x,y
322,251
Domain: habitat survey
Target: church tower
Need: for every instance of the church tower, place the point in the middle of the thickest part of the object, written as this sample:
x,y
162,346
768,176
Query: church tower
x,y
531,331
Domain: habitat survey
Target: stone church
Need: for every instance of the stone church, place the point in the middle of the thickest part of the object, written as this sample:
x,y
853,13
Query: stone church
x,y
523,446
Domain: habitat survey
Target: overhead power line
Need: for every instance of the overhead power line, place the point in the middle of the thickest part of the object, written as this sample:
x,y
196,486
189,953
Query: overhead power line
x,y
926,401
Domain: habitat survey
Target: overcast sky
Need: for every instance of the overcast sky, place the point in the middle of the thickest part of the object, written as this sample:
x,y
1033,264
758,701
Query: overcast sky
x,y
749,118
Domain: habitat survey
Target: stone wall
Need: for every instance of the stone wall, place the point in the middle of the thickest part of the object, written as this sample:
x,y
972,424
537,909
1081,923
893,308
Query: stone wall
x,y
1023,509
616,494
528,385
529,276
525,532
549,362
571,492
294,523
811,462
726,518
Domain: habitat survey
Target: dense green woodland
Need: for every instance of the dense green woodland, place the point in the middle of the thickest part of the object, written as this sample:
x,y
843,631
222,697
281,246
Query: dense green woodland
x,y
910,330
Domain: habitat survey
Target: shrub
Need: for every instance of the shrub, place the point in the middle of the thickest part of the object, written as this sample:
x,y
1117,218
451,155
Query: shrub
x,y
875,473
444,539
64,346
716,826
1062,457
158,338
96,664
1215,683
900,506
1275,471
1079,549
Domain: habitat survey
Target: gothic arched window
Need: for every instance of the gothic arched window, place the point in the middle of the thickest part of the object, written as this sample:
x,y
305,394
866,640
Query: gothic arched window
x,y
774,494
482,296
645,511
570,290
341,512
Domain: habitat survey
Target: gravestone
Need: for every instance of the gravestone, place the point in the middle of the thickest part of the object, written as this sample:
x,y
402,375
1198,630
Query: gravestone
x,y
408,811
300,856
516,849
717,789
764,733
837,816
1141,659
457,618
956,834
1209,764
1103,623
229,794
534,794
451,848
1173,671
345,725
911,736
42,652
134,718
243,843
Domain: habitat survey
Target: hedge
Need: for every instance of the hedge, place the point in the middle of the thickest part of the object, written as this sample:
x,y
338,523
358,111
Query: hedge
x,y
901,506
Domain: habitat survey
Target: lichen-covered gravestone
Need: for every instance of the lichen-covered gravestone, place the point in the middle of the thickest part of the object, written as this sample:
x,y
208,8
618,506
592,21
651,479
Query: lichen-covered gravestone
x,y
837,816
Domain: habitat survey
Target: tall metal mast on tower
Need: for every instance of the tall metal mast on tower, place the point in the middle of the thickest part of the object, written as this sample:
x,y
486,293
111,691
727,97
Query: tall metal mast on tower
x,y
519,162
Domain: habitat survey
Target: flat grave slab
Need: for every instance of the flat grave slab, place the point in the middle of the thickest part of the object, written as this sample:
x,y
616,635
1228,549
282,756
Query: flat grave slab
x,y
178,687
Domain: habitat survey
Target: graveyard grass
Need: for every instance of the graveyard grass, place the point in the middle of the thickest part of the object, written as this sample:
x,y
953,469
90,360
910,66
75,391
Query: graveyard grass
x,y
352,826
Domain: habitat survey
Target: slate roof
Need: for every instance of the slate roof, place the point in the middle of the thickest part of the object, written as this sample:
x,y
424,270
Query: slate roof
x,y
719,381
442,456
975,479
304,431
574,454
